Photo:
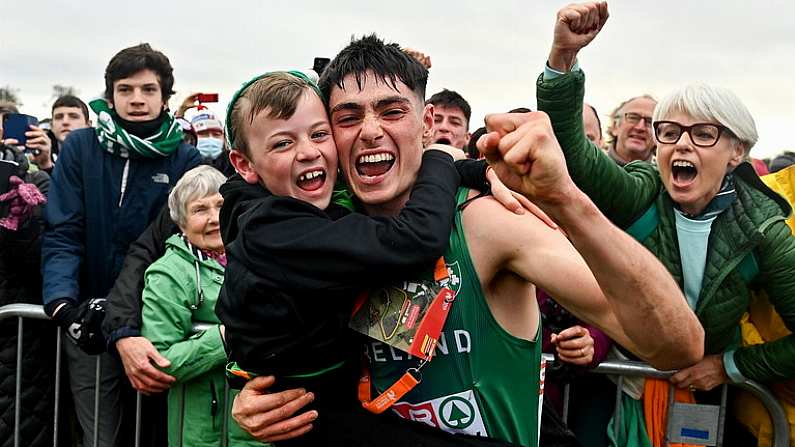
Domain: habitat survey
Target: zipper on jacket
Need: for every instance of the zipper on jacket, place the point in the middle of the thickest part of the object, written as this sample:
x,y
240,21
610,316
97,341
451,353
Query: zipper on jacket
x,y
199,298
124,175
180,433
213,402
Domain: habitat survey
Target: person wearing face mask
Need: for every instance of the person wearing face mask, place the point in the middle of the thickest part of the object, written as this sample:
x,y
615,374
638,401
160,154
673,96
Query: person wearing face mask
x,y
109,183
210,140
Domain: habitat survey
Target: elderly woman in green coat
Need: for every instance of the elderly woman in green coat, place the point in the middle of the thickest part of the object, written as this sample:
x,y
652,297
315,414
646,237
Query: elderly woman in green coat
x,y
701,209
181,290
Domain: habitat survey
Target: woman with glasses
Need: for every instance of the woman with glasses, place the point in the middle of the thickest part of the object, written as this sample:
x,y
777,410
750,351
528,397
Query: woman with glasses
x,y
701,209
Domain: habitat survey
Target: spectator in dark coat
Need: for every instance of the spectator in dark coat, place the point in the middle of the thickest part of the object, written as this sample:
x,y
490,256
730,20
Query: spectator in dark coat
x,y
20,282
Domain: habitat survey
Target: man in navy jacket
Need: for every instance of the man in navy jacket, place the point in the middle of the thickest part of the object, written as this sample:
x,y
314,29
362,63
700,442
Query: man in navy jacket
x,y
108,185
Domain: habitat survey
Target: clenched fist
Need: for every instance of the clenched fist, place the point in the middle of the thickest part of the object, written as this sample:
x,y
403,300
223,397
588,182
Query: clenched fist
x,y
576,26
523,151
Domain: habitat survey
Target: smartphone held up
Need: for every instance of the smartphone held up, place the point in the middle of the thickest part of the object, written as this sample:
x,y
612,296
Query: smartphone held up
x,y
16,124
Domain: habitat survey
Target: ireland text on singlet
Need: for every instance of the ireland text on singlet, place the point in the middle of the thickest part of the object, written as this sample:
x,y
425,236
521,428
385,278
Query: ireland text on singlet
x,y
482,380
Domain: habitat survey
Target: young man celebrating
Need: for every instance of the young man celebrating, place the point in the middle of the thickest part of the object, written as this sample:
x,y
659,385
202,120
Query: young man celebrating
x,y
451,113
485,376
108,184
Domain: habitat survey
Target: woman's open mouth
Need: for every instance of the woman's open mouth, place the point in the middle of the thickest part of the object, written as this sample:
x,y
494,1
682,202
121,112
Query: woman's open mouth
x,y
683,172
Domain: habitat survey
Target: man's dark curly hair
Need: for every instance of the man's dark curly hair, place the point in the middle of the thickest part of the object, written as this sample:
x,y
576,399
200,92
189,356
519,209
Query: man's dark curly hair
x,y
130,61
386,60
451,100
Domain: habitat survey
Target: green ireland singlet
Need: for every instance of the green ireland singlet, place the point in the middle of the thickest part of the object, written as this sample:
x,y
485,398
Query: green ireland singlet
x,y
482,380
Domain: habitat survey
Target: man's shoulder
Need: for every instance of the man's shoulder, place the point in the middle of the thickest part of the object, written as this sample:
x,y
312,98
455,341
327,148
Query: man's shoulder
x,y
485,217
496,236
79,141
173,263
189,154
89,133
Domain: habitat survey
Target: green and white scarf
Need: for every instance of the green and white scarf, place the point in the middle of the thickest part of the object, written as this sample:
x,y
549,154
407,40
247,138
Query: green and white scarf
x,y
114,139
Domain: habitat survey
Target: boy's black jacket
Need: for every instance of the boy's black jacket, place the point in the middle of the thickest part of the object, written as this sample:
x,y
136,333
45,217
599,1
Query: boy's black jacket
x,y
294,270
123,317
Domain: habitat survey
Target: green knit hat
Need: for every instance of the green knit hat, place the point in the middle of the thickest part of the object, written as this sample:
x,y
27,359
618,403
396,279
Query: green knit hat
x,y
230,137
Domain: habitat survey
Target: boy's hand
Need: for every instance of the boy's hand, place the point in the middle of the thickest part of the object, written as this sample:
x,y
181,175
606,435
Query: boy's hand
x,y
454,152
421,57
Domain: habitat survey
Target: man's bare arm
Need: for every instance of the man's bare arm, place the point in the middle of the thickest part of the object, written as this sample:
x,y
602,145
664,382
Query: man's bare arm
x,y
637,294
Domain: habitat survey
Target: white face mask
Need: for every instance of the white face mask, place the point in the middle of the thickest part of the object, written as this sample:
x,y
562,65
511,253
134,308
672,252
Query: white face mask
x,y
210,147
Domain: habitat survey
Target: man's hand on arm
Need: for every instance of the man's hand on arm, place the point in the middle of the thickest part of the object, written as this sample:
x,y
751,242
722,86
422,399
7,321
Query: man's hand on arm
x,y
636,300
575,27
137,355
269,416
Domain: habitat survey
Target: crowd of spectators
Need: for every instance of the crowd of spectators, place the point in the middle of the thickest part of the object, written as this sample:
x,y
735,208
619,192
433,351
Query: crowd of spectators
x,y
317,187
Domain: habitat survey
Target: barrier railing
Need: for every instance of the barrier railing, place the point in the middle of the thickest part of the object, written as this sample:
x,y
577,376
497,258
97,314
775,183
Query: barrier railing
x,y
638,369
31,311
619,368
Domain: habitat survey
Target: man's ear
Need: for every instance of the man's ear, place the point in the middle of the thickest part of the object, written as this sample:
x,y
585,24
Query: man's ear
x,y
427,117
243,166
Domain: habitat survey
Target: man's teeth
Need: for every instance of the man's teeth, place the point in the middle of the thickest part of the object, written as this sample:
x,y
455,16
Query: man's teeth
x,y
376,158
310,175
684,164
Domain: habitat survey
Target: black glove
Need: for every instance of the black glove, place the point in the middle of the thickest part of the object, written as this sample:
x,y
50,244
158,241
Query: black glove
x,y
83,324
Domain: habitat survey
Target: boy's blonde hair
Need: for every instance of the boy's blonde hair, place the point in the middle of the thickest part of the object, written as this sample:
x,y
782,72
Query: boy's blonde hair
x,y
276,92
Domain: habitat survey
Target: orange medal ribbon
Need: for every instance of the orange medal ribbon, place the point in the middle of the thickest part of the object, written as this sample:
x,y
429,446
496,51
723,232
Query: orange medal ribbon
x,y
412,377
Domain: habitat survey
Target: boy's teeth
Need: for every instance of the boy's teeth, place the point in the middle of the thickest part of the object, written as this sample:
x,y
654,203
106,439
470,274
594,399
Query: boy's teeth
x,y
684,164
310,175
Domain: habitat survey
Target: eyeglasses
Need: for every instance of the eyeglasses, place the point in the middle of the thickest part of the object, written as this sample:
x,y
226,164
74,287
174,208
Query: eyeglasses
x,y
634,118
701,134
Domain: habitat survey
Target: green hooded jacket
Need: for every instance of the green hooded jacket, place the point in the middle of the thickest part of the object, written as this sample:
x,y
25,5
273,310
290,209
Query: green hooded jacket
x,y
754,223
196,400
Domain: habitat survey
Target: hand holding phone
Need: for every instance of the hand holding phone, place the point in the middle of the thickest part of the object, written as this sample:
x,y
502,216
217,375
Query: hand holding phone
x,y
16,124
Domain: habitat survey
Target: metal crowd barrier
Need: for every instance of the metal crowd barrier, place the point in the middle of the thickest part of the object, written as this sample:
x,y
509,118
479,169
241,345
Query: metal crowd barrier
x,y
619,368
23,311
635,369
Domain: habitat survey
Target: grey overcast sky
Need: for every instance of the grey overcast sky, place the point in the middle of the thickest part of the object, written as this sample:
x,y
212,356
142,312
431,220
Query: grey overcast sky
x,y
490,51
